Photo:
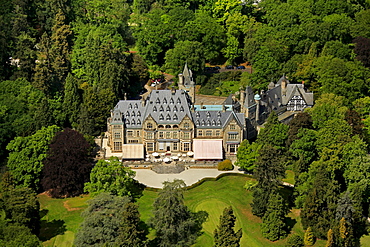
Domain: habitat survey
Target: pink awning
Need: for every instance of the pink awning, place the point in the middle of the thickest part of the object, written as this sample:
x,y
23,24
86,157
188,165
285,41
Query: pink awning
x,y
207,149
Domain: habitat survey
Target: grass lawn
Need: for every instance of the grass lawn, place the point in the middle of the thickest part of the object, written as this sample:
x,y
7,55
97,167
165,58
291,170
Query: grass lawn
x,y
213,197
60,219
60,225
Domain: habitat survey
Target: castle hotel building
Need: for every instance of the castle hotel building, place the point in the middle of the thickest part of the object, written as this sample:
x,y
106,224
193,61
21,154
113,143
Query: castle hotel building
x,y
167,122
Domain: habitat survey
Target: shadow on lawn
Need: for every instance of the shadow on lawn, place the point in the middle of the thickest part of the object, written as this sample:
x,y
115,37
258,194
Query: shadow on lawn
x,y
50,229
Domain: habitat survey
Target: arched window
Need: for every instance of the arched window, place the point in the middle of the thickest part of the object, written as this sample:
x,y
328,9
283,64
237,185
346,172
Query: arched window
x,y
168,126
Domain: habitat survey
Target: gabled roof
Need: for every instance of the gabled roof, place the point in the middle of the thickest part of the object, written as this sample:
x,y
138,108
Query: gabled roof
x,y
297,89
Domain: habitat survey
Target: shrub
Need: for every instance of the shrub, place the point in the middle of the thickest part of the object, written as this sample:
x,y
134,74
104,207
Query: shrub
x,y
294,241
250,184
225,165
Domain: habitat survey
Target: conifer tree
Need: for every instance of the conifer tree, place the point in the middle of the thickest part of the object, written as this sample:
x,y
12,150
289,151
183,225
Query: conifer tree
x,y
268,173
330,237
72,100
172,220
60,50
129,233
224,234
273,222
309,238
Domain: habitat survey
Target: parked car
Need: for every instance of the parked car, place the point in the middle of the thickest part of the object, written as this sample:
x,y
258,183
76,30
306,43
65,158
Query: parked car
x,y
240,67
229,67
217,68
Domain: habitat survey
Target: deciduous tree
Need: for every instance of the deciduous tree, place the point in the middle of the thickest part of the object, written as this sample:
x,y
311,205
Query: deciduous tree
x,y
67,165
25,161
112,177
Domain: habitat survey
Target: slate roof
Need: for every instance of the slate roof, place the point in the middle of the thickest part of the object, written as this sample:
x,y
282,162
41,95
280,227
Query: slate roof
x,y
188,77
164,106
297,89
249,97
216,119
130,112
167,106
170,107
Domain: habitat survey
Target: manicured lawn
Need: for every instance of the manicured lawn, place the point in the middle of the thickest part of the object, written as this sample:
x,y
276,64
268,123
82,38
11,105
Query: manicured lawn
x,y
213,197
61,218
60,225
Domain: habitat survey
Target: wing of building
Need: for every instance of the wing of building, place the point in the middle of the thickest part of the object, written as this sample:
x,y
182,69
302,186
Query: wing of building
x,y
169,122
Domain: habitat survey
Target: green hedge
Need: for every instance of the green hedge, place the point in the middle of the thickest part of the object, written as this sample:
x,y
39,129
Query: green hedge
x,y
225,165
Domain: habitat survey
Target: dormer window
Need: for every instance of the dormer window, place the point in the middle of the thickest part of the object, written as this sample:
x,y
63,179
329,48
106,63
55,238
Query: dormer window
x,y
138,121
171,101
138,114
213,123
208,114
197,114
132,114
175,108
208,123
197,123
168,117
135,106
127,114
175,117
168,108
161,108
161,117
127,121
181,109
178,101
219,122
157,101
218,114
154,108
203,122
164,101
130,106
133,122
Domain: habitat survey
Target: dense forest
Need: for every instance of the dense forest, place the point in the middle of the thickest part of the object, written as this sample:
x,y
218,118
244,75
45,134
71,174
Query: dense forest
x,y
65,64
